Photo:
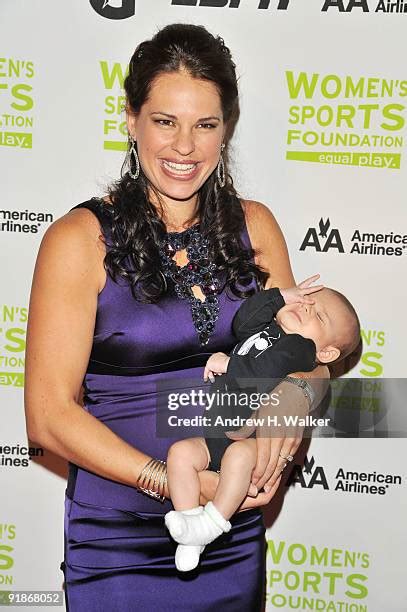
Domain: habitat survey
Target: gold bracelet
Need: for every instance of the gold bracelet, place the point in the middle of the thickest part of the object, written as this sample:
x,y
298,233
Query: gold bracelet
x,y
146,476
145,472
163,481
149,474
154,470
159,472
156,474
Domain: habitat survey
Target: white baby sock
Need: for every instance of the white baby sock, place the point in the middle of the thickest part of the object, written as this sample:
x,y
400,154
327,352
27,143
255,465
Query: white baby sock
x,y
187,557
175,520
196,528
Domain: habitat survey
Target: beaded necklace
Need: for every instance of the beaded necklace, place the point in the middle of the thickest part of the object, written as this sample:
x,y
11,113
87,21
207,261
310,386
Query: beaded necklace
x,y
198,271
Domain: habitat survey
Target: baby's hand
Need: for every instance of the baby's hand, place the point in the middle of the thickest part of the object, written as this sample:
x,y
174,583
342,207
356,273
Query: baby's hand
x,y
300,293
216,364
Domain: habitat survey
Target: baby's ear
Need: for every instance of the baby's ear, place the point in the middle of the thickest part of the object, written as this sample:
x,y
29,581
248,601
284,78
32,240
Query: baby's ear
x,y
328,354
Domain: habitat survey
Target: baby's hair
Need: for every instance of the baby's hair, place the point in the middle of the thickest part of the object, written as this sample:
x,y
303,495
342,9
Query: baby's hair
x,y
352,341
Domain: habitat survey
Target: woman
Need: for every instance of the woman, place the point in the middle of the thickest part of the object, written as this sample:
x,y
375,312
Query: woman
x,y
146,328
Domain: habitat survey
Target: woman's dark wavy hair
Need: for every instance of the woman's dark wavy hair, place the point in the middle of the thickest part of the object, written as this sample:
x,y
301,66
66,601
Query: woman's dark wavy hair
x,y
136,227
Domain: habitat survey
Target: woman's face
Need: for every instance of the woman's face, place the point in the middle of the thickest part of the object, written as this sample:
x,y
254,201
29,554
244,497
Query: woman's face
x,y
179,131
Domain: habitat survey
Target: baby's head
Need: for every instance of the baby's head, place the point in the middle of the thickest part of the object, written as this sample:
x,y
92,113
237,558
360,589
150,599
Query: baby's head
x,y
331,322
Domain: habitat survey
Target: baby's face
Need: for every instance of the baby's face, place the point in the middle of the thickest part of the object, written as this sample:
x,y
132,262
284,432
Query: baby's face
x,y
325,322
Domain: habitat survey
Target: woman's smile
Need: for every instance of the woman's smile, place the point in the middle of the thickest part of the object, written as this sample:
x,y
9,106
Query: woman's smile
x,y
179,170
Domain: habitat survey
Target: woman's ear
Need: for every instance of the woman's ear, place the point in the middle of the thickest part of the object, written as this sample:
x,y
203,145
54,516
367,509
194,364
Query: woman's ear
x,y
328,354
131,121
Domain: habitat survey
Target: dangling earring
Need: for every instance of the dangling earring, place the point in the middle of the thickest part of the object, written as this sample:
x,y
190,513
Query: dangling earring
x,y
220,170
133,151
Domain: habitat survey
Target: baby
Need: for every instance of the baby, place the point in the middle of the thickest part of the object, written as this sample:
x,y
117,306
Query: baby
x,y
279,332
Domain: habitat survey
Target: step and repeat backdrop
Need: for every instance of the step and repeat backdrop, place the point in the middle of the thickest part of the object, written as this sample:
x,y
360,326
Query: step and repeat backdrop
x,y
321,141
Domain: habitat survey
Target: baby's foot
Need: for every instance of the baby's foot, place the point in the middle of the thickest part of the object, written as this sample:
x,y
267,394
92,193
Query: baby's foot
x,y
198,528
175,520
187,557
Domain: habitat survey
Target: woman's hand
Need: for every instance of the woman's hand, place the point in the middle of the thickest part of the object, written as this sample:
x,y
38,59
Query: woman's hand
x,y
271,459
272,449
209,481
271,446
262,499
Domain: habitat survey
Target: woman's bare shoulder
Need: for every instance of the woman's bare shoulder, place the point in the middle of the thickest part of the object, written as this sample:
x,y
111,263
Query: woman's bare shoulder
x,y
253,206
81,221
76,237
83,224
83,218
257,212
267,239
260,221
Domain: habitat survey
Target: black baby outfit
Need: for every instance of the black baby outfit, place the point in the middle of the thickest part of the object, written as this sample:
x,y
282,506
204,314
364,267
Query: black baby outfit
x,y
265,354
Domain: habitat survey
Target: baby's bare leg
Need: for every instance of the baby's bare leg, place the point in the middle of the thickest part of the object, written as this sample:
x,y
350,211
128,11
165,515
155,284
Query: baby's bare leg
x,y
236,469
185,459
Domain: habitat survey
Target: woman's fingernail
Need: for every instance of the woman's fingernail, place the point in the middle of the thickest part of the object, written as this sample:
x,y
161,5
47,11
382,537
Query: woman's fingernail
x,y
267,488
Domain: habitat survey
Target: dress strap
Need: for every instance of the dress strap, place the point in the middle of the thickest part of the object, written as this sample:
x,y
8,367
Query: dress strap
x,y
98,207
244,234
245,237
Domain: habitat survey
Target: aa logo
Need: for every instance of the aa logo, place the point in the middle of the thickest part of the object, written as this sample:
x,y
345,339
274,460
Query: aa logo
x,y
322,239
347,5
114,9
308,476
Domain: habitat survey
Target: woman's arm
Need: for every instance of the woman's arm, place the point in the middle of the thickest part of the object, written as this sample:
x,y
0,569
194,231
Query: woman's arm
x,y
271,250
60,330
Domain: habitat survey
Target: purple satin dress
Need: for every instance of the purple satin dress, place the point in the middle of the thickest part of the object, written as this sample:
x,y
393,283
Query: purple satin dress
x,y
118,554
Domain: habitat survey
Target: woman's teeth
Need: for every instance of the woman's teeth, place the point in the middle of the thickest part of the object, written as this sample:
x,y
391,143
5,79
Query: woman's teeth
x,y
179,168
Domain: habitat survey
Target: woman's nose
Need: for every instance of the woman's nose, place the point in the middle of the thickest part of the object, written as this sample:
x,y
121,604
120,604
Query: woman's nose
x,y
184,143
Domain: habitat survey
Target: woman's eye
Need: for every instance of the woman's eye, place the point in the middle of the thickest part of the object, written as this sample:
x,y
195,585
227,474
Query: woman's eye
x,y
163,121
208,125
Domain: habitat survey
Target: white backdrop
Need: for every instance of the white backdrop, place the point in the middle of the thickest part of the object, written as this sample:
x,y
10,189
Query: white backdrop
x,y
321,141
